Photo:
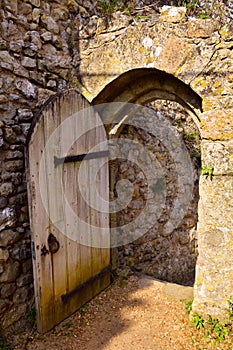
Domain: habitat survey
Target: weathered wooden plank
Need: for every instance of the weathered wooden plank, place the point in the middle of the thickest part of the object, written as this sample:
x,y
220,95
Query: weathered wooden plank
x,y
39,221
71,192
84,205
98,217
103,206
53,119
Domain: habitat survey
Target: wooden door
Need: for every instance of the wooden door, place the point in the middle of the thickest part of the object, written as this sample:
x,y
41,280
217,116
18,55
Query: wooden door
x,y
68,196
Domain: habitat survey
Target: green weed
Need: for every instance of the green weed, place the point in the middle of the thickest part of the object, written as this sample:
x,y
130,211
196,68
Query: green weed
x,y
188,306
218,330
107,7
203,15
191,136
213,327
208,171
190,5
198,322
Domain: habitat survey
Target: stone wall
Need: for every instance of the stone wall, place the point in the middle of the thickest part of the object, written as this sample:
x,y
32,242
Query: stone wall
x,y
169,256
47,47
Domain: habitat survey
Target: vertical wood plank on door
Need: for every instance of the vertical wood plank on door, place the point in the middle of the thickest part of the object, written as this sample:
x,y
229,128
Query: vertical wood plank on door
x,y
42,268
52,121
84,203
96,215
103,205
70,181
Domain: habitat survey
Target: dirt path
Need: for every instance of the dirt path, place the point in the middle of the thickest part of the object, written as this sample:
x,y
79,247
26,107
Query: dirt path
x,y
133,314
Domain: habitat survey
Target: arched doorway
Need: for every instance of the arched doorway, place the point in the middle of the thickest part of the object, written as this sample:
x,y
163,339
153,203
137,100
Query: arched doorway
x,y
170,104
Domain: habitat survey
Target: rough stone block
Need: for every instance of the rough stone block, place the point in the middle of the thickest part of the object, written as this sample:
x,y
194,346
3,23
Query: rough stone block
x,y
50,24
3,44
217,125
214,274
7,290
13,155
27,88
172,14
173,55
19,199
16,46
14,165
7,61
27,266
73,6
6,189
24,280
21,295
12,5
215,205
4,255
25,9
28,62
3,99
8,237
11,272
10,135
20,253
4,304
16,178
46,36
218,154
36,15
202,28
14,315
25,114
7,218
3,202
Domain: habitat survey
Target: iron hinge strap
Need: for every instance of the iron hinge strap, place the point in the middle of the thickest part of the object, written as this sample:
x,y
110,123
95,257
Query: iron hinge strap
x,y
67,296
80,157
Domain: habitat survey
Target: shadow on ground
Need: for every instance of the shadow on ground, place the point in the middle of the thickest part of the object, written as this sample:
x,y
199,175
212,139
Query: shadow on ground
x,y
134,313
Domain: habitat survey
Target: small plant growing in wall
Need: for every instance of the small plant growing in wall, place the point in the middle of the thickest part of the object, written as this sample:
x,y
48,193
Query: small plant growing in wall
x,y
190,5
208,171
107,7
193,7
203,15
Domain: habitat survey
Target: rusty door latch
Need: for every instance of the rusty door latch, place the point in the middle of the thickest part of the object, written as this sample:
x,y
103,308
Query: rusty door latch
x,y
53,244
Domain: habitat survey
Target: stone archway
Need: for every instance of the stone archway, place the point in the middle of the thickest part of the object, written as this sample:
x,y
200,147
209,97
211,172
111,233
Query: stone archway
x,y
172,256
144,85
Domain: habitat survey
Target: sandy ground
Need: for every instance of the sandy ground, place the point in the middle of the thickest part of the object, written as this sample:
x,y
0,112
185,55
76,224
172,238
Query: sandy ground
x,y
133,314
